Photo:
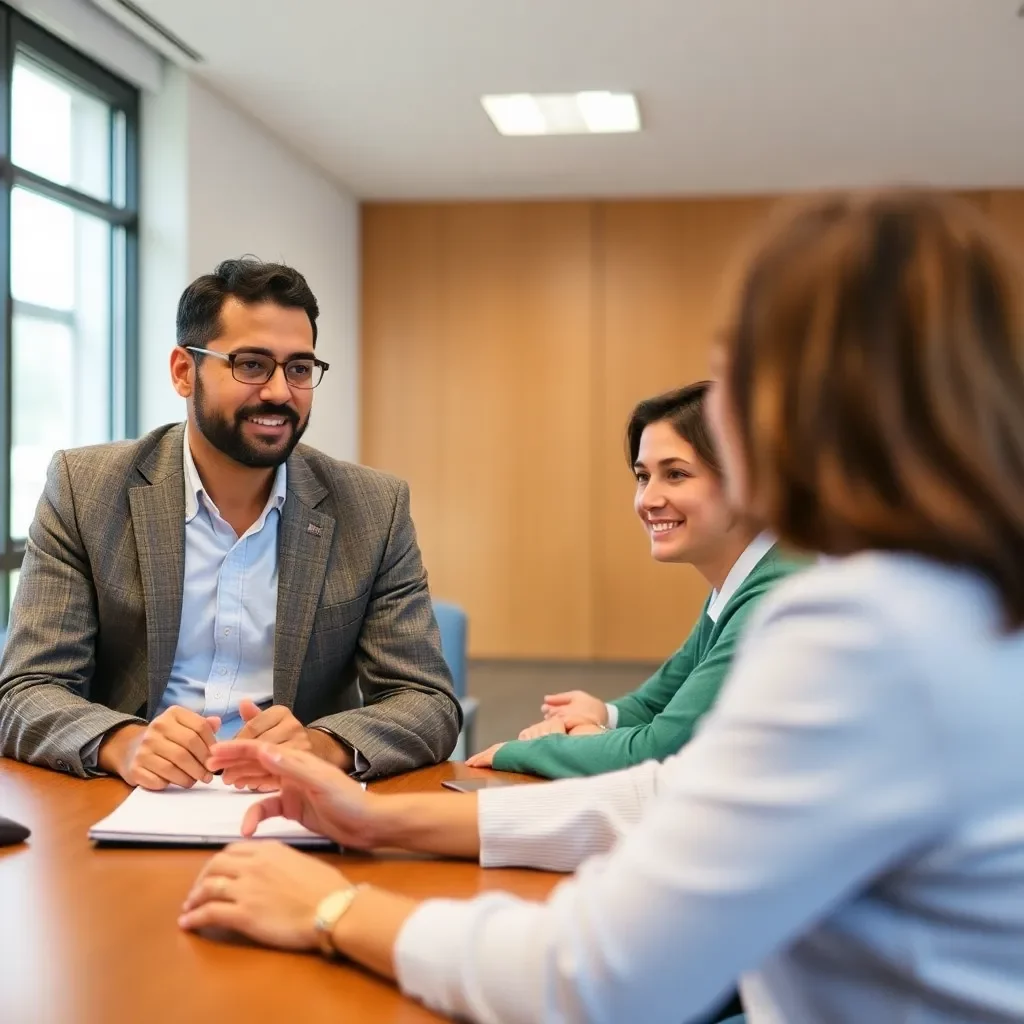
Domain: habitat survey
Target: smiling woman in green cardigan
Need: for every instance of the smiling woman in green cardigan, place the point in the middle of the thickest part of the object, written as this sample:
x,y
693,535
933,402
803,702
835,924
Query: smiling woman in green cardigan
x,y
682,505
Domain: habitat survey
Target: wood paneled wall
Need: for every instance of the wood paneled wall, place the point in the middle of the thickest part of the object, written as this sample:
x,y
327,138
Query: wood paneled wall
x,y
478,368
503,346
660,265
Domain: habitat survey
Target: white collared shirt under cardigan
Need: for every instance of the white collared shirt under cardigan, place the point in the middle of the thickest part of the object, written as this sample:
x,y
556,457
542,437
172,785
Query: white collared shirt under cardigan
x,y
846,833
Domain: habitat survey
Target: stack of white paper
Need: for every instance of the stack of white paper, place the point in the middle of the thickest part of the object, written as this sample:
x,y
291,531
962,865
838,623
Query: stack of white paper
x,y
209,814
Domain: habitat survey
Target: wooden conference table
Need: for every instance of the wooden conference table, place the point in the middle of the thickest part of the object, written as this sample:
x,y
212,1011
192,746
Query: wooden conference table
x,y
90,936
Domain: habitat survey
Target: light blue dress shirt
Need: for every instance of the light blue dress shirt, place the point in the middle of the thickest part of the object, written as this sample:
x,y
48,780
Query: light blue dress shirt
x,y
225,648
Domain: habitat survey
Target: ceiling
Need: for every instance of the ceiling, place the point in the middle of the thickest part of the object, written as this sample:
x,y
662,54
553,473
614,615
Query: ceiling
x,y
736,95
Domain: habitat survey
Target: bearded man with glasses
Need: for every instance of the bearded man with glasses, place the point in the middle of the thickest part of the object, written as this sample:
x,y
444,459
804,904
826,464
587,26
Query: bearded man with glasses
x,y
215,579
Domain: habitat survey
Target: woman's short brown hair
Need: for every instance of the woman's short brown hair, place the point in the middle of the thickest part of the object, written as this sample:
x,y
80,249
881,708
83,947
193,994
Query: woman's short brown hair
x,y
685,410
875,370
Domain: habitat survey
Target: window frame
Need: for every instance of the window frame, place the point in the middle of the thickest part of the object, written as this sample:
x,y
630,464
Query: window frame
x,y
16,32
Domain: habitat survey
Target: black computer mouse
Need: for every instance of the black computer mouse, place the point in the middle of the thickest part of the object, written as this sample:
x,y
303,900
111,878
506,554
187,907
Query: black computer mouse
x,y
11,832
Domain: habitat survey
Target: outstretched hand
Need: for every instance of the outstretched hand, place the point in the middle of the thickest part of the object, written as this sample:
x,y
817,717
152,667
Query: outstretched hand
x,y
309,790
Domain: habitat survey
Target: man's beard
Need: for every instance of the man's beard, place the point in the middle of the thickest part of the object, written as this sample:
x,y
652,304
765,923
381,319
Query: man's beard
x,y
228,438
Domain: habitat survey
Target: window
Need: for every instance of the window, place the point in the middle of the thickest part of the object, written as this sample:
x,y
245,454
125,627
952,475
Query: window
x,y
68,250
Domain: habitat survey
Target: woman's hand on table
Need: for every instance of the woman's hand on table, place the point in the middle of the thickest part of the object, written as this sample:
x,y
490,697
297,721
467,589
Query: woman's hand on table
x,y
587,729
266,891
484,759
545,728
270,893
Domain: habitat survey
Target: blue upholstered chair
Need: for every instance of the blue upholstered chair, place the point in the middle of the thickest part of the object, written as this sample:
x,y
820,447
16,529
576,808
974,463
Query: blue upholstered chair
x,y
453,623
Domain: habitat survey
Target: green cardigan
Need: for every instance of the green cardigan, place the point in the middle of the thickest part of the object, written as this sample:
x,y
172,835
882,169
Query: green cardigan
x,y
661,717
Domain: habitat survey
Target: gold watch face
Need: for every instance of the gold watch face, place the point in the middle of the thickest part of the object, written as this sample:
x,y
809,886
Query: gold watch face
x,y
332,907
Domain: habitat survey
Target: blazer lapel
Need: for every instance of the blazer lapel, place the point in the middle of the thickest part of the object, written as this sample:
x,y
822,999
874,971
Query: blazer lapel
x,y
158,521
304,543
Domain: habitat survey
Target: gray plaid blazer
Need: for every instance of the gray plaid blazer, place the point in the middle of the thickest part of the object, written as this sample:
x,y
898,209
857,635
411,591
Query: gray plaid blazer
x,y
94,627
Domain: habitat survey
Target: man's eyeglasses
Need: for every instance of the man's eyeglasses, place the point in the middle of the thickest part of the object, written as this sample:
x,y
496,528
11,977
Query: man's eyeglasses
x,y
258,367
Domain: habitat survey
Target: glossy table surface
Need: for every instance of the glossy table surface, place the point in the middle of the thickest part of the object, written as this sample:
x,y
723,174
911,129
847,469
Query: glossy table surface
x,y
89,935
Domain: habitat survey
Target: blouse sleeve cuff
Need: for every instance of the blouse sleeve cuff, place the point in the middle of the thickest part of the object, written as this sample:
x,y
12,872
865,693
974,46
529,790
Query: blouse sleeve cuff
x,y
425,967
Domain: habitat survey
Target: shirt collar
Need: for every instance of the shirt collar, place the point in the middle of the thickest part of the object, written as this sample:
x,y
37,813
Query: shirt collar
x,y
741,569
194,486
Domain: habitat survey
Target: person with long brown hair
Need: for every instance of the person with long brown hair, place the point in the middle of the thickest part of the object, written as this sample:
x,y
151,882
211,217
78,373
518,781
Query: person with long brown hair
x,y
847,829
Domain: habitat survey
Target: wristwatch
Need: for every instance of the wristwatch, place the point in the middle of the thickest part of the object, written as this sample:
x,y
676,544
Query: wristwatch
x,y
329,912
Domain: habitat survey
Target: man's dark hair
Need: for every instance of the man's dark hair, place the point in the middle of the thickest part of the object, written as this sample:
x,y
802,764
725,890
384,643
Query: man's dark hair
x,y
684,409
250,281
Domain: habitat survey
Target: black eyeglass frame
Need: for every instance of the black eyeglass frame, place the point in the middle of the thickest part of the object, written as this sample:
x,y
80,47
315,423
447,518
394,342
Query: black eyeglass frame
x,y
230,357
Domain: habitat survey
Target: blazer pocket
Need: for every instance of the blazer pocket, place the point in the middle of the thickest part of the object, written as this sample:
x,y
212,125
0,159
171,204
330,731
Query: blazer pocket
x,y
341,614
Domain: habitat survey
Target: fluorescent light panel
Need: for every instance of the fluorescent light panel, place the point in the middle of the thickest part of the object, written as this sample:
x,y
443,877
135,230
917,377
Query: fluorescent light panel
x,y
577,113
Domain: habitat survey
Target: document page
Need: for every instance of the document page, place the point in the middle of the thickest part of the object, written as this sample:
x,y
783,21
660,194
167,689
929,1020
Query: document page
x,y
208,814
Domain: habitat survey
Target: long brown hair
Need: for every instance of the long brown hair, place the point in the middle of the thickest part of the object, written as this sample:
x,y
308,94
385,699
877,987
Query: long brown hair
x,y
875,370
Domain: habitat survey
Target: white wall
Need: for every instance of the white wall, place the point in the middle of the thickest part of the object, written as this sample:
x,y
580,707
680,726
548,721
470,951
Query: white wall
x,y
216,184
97,35
163,242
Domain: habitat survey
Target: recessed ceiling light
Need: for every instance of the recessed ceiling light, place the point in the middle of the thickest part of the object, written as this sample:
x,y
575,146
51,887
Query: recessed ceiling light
x,y
575,113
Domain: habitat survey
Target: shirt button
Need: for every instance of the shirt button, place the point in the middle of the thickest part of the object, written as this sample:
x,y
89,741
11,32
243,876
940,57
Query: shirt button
x,y
227,632
223,671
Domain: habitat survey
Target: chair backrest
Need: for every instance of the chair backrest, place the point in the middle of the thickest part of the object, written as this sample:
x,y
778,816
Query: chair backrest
x,y
453,623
